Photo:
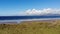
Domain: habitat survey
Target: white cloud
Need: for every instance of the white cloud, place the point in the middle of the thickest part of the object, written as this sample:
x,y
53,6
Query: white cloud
x,y
45,11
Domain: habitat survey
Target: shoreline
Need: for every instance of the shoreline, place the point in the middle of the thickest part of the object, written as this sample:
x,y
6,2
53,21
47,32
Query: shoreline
x,y
29,20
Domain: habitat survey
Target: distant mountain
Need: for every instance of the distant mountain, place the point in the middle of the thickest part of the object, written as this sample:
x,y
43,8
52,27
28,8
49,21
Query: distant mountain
x,y
51,15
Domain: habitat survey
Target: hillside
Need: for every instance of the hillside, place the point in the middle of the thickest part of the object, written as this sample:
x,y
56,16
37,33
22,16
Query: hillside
x,y
33,27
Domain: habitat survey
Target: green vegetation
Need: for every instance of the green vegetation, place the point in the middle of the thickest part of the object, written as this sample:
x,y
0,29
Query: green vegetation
x,y
31,28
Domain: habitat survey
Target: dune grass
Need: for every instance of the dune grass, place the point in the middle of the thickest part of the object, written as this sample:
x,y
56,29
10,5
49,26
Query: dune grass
x,y
31,28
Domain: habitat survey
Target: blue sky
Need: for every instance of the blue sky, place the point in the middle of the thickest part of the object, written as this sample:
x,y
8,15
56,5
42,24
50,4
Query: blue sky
x,y
13,7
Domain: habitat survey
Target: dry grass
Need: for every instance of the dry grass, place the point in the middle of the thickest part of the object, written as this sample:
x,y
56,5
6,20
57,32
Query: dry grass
x,y
32,27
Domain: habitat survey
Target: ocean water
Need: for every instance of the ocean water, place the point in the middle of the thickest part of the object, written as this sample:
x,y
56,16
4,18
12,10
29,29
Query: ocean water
x,y
19,19
25,17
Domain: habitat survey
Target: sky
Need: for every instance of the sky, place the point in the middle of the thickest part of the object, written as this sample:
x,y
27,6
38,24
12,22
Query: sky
x,y
29,7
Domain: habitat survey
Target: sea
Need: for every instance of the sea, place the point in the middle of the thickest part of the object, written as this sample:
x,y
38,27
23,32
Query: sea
x,y
18,19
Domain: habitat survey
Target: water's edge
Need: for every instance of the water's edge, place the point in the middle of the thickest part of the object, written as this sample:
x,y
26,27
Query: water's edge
x,y
21,20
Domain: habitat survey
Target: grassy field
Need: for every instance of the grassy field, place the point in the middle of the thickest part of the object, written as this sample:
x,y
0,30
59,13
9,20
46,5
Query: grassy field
x,y
33,27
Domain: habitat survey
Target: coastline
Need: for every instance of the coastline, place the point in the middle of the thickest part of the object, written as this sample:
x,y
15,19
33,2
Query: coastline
x,y
29,20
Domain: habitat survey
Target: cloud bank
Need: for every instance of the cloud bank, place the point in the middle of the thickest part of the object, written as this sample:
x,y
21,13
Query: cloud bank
x,y
45,11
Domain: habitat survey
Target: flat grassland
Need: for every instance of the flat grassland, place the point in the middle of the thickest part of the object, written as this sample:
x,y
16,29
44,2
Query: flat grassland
x,y
32,27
